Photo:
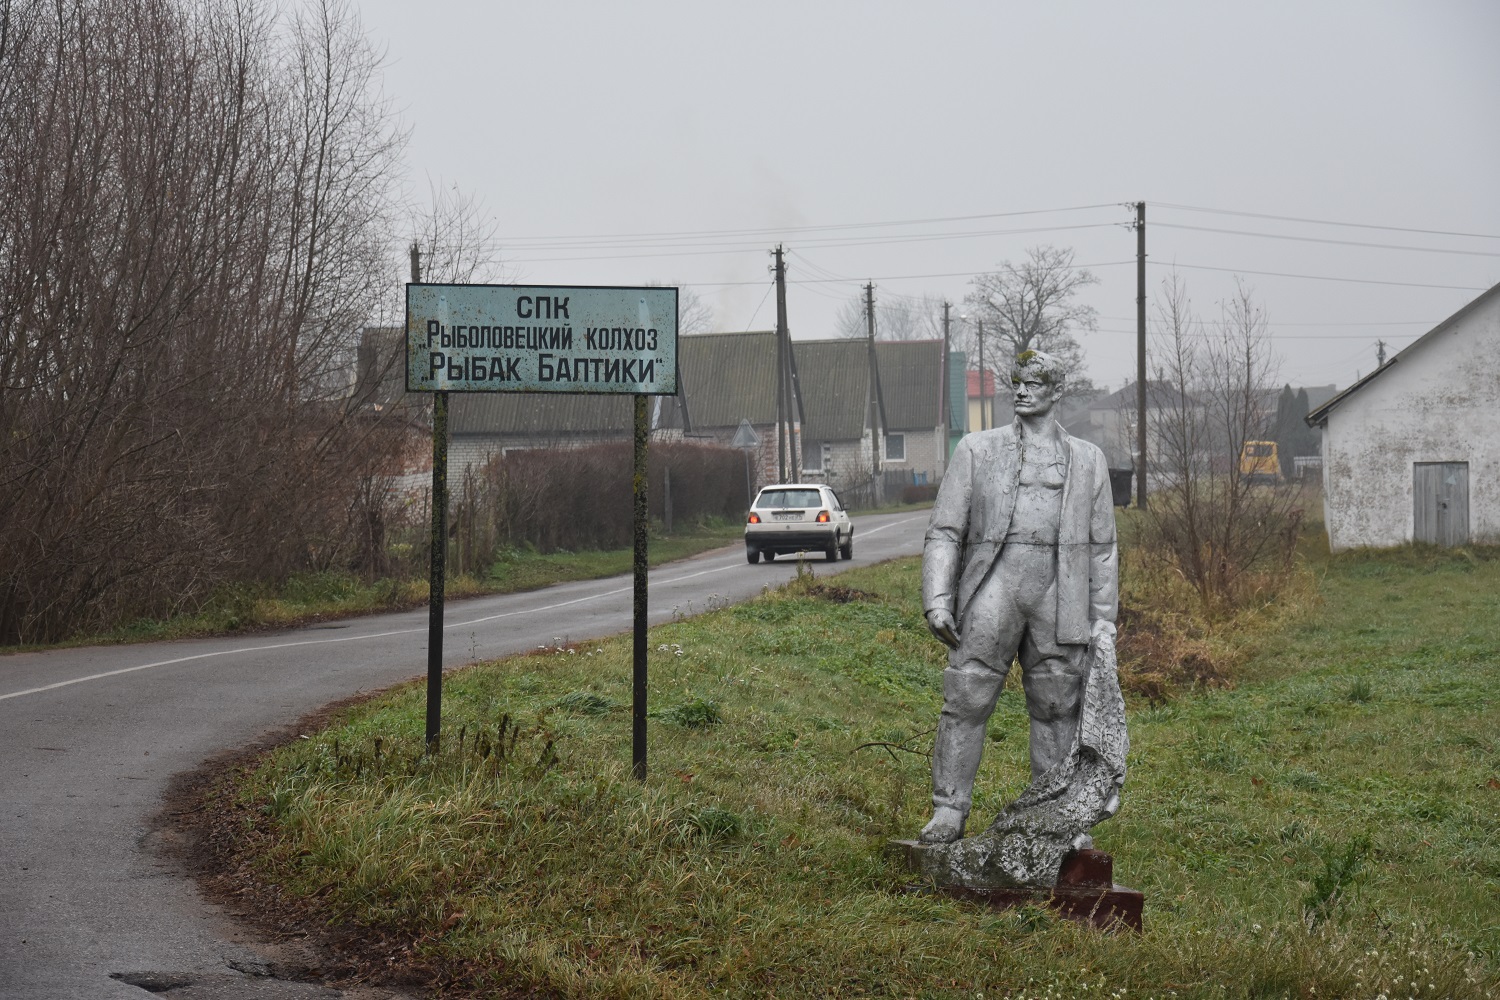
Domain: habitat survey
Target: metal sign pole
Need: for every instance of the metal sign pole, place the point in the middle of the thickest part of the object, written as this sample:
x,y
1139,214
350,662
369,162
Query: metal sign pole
x,y
436,584
638,699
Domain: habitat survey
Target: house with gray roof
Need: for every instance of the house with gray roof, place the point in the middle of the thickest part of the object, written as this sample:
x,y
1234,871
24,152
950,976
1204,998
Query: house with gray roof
x,y
837,399
725,379
851,413
911,383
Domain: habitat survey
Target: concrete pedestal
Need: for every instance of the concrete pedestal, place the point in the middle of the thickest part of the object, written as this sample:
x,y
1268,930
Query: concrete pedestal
x,y
1085,889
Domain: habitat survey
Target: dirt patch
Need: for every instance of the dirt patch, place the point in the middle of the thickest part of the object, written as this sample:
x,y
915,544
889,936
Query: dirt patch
x,y
837,594
205,830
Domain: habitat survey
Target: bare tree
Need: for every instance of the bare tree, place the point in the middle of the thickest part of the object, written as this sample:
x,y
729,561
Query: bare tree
x,y
457,239
693,314
1227,536
897,317
1033,305
195,208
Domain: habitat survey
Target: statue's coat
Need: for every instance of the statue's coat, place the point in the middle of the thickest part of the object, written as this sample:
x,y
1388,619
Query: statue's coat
x,y
972,514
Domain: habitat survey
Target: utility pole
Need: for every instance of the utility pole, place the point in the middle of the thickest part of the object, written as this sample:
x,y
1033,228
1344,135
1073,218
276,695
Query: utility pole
x,y
984,423
1140,354
943,391
781,400
1380,352
874,394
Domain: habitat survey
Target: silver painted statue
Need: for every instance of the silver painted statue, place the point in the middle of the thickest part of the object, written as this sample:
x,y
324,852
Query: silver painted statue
x,y
1020,564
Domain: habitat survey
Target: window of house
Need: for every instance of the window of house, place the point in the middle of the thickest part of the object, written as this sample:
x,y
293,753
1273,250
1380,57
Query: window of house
x,y
812,456
895,447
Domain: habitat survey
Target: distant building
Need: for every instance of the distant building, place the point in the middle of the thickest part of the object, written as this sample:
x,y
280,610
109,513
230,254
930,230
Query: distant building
x,y
1110,421
984,407
1411,452
848,415
724,379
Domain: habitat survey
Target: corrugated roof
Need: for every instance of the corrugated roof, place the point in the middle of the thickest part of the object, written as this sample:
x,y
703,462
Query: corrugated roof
x,y
835,377
911,381
539,414
728,377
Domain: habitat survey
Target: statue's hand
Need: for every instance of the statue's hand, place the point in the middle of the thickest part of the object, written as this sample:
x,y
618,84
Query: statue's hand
x,y
1103,631
942,625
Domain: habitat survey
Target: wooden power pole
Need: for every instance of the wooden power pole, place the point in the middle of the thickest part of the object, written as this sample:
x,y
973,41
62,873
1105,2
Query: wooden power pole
x,y
984,423
877,403
783,409
1140,354
943,391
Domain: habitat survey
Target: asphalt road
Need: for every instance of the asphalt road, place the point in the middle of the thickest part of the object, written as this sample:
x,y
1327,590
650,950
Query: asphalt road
x,y
90,739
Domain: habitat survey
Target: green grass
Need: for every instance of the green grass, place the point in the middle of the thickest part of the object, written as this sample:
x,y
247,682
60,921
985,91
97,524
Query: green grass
x,y
309,597
1330,827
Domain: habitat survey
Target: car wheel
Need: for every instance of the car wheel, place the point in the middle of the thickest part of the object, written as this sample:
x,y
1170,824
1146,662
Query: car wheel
x,y
832,552
847,551
752,556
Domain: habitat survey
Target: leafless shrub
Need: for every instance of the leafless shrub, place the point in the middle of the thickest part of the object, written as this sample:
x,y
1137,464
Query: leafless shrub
x,y
194,206
1230,538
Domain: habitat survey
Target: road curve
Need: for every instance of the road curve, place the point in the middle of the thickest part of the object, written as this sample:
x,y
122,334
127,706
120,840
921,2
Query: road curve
x,y
91,738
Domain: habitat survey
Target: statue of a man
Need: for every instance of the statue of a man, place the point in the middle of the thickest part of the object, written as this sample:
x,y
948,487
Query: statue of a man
x,y
1019,564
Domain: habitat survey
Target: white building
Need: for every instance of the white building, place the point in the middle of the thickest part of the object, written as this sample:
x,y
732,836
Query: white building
x,y
1411,452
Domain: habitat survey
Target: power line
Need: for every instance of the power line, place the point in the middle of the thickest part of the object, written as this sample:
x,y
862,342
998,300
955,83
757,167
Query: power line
x,y
888,277
1324,222
769,286
777,230
1318,239
1272,334
738,246
1315,277
1394,322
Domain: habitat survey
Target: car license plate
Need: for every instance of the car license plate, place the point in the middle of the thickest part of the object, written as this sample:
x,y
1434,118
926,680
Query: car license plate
x,y
787,515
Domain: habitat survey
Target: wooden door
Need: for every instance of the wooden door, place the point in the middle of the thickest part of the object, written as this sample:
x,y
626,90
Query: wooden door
x,y
1441,498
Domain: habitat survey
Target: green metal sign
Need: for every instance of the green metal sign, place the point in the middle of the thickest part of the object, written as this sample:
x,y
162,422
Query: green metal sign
x,y
541,338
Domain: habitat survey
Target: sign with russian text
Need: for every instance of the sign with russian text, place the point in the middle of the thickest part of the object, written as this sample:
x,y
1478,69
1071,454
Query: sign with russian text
x,y
534,338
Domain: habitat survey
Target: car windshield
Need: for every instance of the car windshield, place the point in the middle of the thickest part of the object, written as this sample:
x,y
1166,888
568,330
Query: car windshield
x,y
788,498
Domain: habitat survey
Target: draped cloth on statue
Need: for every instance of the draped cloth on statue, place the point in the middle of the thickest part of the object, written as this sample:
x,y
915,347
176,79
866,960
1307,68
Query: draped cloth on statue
x,y
1027,842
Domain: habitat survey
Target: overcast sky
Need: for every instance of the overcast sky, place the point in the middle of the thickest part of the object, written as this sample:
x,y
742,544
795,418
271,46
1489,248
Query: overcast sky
x,y
897,142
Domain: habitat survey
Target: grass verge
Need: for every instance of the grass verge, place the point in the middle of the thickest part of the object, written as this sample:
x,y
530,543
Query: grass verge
x,y
1326,828
331,595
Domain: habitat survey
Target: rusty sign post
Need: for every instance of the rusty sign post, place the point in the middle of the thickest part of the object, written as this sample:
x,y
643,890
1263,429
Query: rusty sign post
x,y
532,338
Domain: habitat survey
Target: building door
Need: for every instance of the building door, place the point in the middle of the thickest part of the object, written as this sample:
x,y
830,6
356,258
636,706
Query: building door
x,y
1441,495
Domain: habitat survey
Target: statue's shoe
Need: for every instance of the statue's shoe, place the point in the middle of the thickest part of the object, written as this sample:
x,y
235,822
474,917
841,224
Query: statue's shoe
x,y
946,826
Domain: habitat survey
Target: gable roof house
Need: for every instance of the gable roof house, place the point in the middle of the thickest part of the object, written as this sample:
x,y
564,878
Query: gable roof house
x,y
834,378
911,384
988,408
1411,452
847,413
724,379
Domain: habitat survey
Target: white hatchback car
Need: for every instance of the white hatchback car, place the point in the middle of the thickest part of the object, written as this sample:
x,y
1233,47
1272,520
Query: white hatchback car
x,y
798,517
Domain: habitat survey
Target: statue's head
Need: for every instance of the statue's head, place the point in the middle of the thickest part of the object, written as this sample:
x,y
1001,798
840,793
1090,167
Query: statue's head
x,y
1041,367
